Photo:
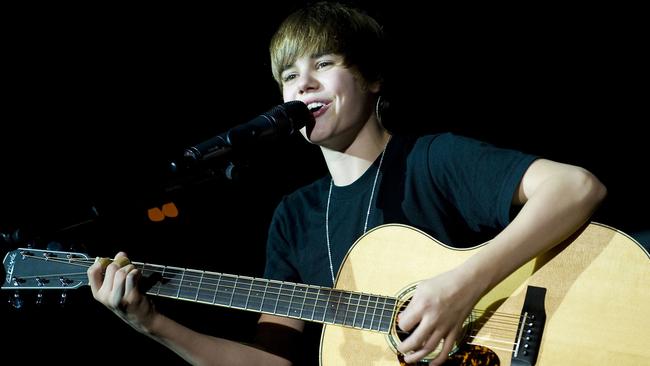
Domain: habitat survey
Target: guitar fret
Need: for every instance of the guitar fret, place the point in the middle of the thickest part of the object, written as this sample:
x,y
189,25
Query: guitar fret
x,y
356,311
180,285
169,283
387,315
335,306
374,311
234,287
328,308
277,300
366,301
347,308
320,305
339,315
255,295
295,308
188,284
199,287
352,310
205,291
216,290
381,315
266,286
311,301
241,292
284,299
270,298
162,280
224,296
248,296
304,297
293,291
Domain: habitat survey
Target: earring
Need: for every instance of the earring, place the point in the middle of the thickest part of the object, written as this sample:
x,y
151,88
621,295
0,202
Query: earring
x,y
377,109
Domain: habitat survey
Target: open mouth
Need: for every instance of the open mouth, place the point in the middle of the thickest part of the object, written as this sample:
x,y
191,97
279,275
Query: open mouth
x,y
317,108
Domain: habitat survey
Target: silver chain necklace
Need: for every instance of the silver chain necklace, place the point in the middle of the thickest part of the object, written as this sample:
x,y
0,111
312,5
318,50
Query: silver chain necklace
x,y
365,226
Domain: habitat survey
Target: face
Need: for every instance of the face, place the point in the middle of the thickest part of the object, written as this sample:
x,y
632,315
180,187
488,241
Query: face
x,y
340,103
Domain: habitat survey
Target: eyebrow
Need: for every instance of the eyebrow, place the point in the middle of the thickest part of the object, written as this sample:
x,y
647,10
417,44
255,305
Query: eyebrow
x,y
311,57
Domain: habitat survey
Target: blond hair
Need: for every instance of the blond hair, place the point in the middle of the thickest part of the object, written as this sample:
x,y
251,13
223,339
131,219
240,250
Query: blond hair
x,y
329,28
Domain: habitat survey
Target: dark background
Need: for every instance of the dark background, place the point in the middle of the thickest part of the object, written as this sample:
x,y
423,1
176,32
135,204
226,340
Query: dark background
x,y
98,100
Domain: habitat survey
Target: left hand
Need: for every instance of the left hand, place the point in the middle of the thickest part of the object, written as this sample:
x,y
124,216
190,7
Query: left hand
x,y
437,311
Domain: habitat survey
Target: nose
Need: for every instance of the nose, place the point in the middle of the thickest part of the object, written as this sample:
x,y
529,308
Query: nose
x,y
307,83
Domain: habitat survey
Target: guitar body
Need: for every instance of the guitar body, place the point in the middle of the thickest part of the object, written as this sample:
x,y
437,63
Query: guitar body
x,y
597,299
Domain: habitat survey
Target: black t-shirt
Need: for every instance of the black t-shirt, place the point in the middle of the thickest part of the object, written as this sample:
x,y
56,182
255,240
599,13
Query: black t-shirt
x,y
456,189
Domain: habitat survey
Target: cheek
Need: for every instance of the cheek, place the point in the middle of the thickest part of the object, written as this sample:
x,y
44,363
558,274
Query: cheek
x,y
288,94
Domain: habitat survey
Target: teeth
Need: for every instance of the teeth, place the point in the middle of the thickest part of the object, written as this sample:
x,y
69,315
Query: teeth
x,y
315,105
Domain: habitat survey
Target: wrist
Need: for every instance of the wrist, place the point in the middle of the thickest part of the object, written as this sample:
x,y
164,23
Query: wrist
x,y
474,278
153,324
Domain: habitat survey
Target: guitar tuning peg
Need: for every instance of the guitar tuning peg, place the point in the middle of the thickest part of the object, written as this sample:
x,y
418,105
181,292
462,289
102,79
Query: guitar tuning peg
x,y
63,299
16,301
39,298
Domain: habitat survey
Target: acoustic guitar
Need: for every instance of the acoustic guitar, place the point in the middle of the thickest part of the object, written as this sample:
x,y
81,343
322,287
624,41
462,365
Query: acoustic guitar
x,y
584,302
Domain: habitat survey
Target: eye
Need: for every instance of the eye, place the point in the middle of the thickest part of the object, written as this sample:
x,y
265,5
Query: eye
x,y
324,63
289,77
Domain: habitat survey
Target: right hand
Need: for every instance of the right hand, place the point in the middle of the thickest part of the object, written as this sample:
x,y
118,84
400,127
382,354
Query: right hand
x,y
116,286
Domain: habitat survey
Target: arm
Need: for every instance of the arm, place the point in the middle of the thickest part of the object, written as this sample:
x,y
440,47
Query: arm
x,y
117,289
557,199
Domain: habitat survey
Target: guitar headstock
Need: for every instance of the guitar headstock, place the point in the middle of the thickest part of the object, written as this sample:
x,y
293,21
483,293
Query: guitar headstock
x,y
35,269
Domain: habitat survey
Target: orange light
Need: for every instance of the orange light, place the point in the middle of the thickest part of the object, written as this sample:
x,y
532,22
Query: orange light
x,y
155,214
170,209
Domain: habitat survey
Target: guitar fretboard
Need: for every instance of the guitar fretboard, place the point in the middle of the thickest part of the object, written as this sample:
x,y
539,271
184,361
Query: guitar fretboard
x,y
306,302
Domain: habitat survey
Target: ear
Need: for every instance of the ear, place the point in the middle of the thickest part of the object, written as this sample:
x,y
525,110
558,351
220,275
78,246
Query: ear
x,y
375,86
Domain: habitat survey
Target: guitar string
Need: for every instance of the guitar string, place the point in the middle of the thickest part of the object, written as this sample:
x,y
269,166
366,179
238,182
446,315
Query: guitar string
x,y
368,304
191,288
281,291
477,327
381,319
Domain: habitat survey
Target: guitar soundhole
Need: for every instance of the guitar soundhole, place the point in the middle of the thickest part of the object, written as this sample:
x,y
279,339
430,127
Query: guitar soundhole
x,y
462,354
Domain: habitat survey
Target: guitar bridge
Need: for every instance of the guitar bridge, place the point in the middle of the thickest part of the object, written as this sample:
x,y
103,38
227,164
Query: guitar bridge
x,y
531,327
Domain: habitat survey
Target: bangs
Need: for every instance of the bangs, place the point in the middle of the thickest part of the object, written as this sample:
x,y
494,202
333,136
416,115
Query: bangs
x,y
295,41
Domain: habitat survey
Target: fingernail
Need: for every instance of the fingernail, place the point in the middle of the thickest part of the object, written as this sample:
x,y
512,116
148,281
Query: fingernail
x,y
103,261
122,261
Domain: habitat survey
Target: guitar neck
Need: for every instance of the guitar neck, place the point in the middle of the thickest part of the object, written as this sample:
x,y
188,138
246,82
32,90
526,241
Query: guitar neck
x,y
287,299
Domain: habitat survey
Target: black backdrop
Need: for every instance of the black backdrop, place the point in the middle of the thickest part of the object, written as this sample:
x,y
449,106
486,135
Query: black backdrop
x,y
97,101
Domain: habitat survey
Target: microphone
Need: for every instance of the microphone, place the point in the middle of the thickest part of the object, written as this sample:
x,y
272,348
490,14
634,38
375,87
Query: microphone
x,y
282,120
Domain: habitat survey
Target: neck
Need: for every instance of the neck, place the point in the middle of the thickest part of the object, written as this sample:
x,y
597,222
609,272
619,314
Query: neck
x,y
348,165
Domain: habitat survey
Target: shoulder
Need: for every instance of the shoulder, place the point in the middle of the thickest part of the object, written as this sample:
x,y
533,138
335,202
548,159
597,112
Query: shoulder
x,y
438,147
438,141
451,146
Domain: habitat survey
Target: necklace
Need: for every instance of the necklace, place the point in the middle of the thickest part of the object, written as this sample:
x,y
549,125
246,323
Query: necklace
x,y
327,210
